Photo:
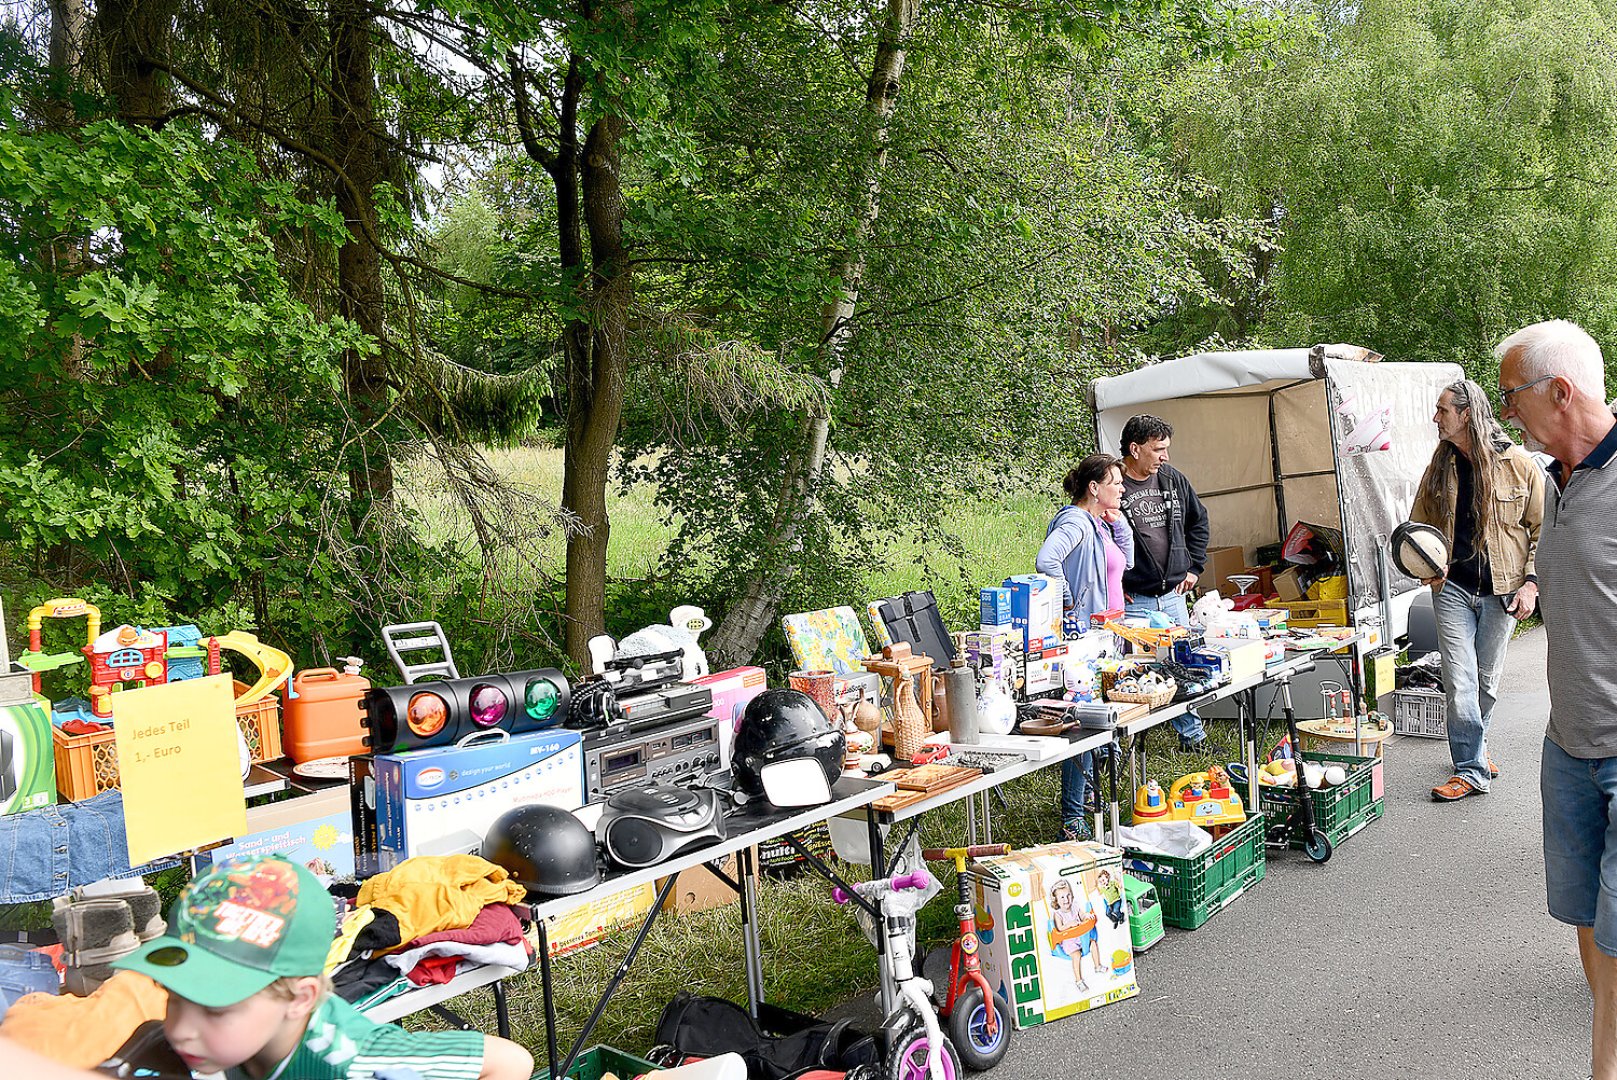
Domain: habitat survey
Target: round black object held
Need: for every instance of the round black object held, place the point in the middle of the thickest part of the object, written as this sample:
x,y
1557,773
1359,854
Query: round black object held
x,y
1421,551
545,849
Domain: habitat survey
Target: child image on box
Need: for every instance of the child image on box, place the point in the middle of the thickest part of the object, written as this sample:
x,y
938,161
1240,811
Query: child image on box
x,y
1111,891
243,962
1075,932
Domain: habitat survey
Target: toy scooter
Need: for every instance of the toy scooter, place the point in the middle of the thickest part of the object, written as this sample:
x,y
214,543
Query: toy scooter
x,y
1299,821
917,1048
979,1019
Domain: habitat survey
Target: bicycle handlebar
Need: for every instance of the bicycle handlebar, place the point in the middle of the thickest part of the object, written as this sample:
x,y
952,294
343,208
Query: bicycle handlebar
x,y
975,851
875,890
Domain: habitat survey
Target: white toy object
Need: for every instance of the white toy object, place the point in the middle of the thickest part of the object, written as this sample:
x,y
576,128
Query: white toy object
x,y
1209,606
685,625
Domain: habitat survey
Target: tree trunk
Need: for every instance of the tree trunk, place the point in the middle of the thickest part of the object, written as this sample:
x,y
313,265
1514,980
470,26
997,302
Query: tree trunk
x,y
744,625
130,34
358,153
66,57
597,366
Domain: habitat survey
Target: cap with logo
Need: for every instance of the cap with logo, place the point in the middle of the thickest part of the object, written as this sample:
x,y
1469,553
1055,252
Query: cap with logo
x,y
238,928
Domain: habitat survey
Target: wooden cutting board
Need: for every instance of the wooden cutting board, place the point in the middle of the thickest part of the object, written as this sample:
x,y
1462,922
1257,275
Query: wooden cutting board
x,y
934,777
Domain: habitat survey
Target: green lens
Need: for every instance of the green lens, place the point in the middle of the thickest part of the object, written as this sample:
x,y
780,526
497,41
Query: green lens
x,y
541,699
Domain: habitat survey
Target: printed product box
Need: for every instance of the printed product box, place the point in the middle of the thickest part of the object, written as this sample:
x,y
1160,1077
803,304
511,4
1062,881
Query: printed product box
x,y
441,801
27,747
990,652
731,691
1035,609
1055,941
315,830
994,608
1045,670
589,925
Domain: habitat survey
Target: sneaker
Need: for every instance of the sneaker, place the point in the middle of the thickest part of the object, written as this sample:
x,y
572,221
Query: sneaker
x,y
1454,789
1083,987
1493,770
1077,829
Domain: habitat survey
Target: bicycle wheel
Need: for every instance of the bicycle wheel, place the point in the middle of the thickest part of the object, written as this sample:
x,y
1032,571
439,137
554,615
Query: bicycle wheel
x,y
906,1058
968,1030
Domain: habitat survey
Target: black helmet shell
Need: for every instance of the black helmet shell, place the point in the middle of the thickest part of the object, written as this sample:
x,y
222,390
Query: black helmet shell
x,y
784,725
545,849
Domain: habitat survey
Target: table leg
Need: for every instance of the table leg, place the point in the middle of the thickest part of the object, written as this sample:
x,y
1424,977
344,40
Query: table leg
x,y
1111,772
988,817
1247,717
546,991
971,820
878,869
502,1011
752,949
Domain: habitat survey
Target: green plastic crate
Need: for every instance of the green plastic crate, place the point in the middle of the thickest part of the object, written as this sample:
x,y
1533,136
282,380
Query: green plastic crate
x,y
1340,811
1145,912
597,1061
1194,889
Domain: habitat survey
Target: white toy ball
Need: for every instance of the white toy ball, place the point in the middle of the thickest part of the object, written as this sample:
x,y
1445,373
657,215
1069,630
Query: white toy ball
x,y
1334,775
1420,550
1313,774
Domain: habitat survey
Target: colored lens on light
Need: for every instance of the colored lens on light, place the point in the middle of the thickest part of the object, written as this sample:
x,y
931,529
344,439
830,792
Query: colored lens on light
x,y
427,714
541,698
488,705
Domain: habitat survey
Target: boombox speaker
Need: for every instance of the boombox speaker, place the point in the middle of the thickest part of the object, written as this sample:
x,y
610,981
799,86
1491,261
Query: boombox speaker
x,y
442,713
646,825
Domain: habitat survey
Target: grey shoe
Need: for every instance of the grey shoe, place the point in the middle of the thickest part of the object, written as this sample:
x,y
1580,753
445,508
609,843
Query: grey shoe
x,y
94,932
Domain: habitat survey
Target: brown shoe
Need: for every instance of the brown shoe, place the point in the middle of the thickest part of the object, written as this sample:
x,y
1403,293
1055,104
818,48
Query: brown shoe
x,y
1493,770
1455,789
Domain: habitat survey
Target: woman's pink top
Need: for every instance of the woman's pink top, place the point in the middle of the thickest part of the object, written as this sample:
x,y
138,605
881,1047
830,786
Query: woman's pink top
x,y
1115,564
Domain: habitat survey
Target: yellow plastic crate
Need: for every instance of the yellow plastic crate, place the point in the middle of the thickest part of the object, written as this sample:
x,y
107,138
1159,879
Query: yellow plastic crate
x,y
1314,612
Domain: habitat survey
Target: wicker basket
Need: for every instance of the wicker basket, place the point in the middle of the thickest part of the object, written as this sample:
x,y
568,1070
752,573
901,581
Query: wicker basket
x,y
1155,701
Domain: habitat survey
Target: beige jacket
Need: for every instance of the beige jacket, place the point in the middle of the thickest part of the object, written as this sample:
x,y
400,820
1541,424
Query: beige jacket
x,y
1512,539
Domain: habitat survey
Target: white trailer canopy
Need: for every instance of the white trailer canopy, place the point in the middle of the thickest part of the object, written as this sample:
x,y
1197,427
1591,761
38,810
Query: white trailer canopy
x,y
1265,438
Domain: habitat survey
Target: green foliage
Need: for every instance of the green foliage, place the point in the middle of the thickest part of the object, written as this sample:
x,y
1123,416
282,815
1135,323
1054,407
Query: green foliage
x,y
1431,175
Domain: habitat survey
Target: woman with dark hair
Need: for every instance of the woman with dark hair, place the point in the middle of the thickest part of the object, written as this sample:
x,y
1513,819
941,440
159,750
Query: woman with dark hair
x,y
1087,548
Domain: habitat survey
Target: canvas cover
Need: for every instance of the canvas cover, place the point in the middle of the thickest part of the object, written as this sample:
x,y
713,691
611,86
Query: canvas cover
x,y
1262,435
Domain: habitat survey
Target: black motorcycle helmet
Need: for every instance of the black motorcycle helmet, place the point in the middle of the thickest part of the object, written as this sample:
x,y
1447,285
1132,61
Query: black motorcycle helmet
x,y
779,727
545,849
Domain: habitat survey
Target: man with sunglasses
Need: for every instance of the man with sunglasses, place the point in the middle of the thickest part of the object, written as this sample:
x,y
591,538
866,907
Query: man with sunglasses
x,y
1552,386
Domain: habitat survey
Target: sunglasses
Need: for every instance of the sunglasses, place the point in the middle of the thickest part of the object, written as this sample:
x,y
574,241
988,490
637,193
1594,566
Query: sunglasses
x,y
1504,394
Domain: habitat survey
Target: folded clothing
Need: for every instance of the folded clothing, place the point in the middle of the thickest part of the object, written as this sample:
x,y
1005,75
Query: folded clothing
x,y
85,1031
439,892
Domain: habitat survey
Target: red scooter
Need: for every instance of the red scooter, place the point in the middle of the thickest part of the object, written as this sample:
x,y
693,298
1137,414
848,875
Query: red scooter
x,y
979,1019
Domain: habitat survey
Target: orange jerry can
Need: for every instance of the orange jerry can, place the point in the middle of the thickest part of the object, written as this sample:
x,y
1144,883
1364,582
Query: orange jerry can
x,y
323,719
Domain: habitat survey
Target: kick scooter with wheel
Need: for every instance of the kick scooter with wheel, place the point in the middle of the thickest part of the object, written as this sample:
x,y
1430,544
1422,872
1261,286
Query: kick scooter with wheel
x,y
1299,821
979,1019
917,1048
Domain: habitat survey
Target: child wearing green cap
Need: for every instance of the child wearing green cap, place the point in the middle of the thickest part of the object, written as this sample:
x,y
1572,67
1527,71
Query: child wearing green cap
x,y
243,961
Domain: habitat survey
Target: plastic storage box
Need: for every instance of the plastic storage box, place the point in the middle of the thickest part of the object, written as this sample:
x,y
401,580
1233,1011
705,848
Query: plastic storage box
x,y
1423,713
1340,811
1195,888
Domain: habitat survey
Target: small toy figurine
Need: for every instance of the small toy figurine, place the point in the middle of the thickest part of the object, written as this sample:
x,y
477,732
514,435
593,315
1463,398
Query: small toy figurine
x,y
1149,802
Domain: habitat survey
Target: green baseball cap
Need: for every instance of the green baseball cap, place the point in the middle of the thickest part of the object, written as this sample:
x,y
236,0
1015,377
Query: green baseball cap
x,y
238,928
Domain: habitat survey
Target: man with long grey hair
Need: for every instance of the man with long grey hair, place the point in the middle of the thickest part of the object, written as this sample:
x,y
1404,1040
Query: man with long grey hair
x,y
1487,496
1552,383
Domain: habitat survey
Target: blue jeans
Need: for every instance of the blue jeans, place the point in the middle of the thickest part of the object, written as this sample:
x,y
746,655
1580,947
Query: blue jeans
x,y
1580,841
1075,785
1172,604
1472,633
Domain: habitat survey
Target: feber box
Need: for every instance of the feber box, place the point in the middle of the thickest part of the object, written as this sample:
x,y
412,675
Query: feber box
x,y
442,801
1056,942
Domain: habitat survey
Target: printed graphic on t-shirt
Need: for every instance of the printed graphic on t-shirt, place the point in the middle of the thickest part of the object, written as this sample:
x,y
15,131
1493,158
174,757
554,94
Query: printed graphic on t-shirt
x,y
1146,505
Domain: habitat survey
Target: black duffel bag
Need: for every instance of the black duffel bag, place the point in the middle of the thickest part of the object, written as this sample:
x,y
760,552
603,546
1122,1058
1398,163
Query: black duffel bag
x,y
692,1026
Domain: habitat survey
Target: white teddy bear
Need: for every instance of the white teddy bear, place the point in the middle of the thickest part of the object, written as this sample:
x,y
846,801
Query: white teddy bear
x,y
685,625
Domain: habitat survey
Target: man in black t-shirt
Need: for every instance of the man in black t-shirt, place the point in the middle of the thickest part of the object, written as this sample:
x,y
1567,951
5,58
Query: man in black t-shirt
x,y
1170,536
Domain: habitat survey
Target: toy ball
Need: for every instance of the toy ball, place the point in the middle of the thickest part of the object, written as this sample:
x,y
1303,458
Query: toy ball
x,y
1313,774
1334,775
1420,550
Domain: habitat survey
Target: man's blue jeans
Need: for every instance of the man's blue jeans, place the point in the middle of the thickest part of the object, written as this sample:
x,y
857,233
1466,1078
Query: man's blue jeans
x,y
1472,634
1172,604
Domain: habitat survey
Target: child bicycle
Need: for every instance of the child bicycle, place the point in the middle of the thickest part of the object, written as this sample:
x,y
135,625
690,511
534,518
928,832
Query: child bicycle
x,y
979,1019
916,1047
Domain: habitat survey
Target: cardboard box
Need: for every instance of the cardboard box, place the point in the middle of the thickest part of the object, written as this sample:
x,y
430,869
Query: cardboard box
x,y
1288,584
1221,563
1047,972
731,691
994,608
441,801
1244,658
589,925
990,652
1035,609
315,830
27,755
1044,669
696,889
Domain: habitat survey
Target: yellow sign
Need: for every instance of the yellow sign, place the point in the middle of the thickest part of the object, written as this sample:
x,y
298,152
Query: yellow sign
x,y
179,766
1385,674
